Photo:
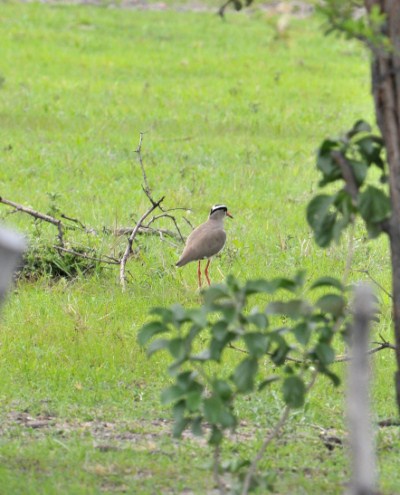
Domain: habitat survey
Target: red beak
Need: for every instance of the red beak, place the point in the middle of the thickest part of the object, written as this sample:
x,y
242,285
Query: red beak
x,y
228,214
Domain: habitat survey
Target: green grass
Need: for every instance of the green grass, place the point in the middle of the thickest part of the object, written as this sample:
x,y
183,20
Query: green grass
x,y
232,115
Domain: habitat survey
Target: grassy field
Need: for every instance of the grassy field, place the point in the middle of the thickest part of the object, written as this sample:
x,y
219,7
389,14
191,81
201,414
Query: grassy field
x,y
232,114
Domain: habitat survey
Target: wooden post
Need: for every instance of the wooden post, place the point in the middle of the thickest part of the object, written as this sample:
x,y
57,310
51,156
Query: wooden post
x,y
12,246
362,448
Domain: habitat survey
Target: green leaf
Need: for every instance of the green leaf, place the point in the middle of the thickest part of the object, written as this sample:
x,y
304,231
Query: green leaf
x,y
193,400
244,374
220,330
213,407
257,343
360,170
180,422
258,287
302,332
165,313
359,126
215,293
282,349
223,389
197,316
331,303
196,427
374,205
260,320
216,436
268,381
149,330
294,309
284,283
327,282
325,353
177,348
321,219
157,345
172,394
178,313
294,391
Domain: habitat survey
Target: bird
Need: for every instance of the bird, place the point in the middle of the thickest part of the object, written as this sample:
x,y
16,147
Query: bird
x,y
206,240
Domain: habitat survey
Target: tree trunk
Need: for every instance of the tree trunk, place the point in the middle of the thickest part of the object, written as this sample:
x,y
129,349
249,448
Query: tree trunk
x,y
386,92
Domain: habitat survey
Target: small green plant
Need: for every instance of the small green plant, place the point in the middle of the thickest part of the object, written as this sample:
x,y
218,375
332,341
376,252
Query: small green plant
x,y
349,159
288,341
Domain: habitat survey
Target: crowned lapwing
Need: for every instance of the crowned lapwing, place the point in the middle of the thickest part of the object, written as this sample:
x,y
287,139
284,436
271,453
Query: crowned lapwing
x,y
206,240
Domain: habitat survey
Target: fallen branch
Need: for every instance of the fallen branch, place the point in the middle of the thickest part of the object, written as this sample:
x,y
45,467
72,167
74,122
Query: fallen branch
x,y
131,238
146,230
38,215
110,261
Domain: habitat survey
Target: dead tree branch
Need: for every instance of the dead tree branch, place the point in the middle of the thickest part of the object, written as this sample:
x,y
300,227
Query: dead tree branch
x,y
131,238
146,230
109,260
38,215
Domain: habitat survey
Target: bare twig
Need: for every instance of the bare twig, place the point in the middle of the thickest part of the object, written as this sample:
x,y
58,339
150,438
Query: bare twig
x,y
268,439
339,359
376,283
146,231
138,150
38,215
217,477
110,261
347,173
128,249
171,217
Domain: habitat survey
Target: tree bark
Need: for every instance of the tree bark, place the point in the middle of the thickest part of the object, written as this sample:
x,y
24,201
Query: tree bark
x,y
385,71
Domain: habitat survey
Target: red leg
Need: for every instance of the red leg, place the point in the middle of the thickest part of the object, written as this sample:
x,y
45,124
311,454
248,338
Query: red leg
x,y
199,274
206,272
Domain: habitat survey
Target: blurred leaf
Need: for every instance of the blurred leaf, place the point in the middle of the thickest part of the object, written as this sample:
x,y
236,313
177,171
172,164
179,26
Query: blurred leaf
x,y
177,348
331,303
294,390
216,436
193,400
165,313
149,330
374,205
244,374
215,293
197,316
171,394
258,286
268,381
302,332
157,345
220,330
293,309
260,320
284,283
327,282
321,219
180,422
257,343
222,388
359,126
196,427
325,353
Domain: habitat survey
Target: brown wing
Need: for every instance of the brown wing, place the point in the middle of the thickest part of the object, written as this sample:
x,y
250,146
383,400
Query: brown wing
x,y
203,242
